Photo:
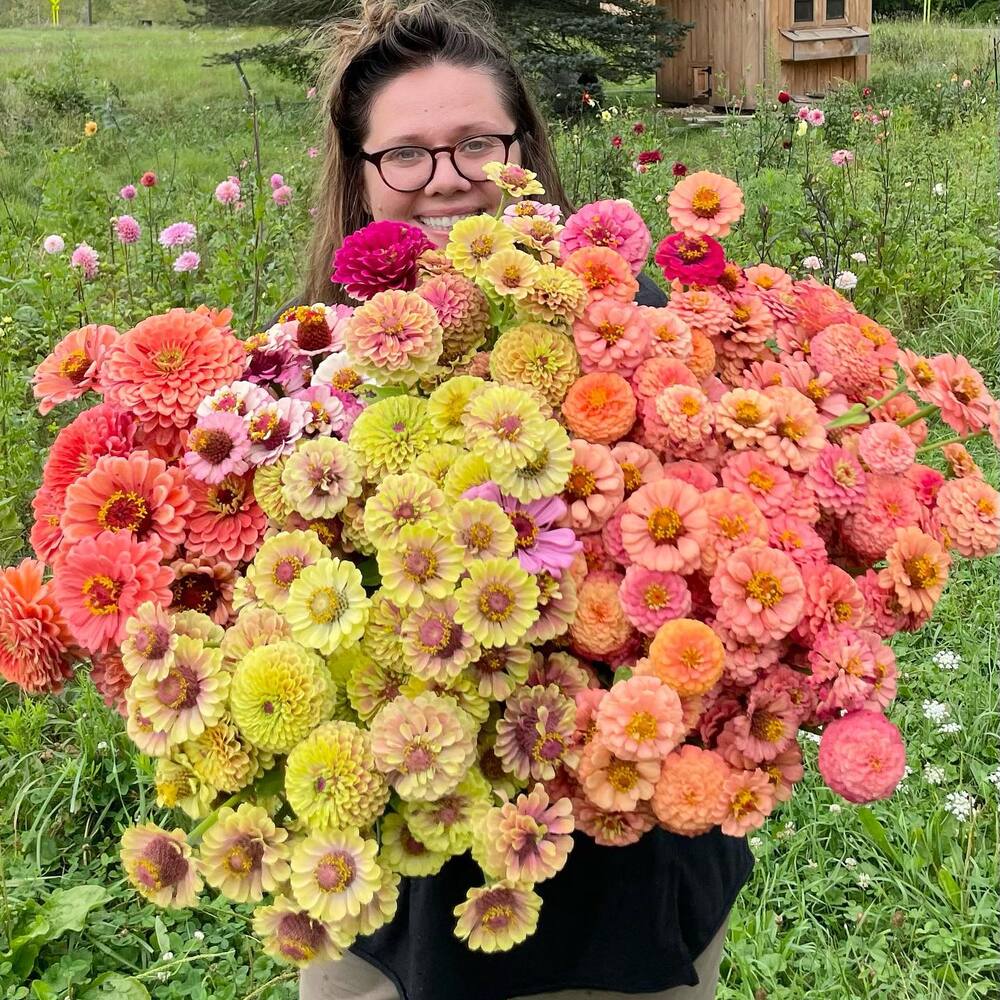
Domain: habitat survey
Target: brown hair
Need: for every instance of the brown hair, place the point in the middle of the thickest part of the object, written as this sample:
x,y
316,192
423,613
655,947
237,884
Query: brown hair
x,y
390,38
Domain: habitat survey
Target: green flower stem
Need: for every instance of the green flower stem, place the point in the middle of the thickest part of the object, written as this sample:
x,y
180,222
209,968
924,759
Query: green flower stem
x,y
853,417
924,411
876,403
199,831
957,439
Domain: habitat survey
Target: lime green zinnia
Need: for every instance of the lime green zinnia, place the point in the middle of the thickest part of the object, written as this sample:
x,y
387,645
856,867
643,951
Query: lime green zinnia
x,y
327,605
388,435
497,602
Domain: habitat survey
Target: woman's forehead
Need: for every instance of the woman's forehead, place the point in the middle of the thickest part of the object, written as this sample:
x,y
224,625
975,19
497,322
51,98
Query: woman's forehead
x,y
435,105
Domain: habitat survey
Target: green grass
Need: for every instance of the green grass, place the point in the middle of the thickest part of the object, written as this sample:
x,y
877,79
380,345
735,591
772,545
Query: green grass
x,y
898,900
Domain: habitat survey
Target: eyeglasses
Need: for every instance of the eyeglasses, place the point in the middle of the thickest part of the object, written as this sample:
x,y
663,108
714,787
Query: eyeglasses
x,y
410,168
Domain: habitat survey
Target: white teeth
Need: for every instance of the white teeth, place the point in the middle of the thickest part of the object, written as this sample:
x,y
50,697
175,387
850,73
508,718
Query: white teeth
x,y
442,221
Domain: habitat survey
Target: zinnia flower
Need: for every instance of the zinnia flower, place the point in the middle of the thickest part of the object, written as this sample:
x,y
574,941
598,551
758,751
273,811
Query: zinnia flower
x,y
917,566
462,310
504,422
749,798
496,917
449,824
959,390
535,355
279,694
334,874
226,522
217,447
390,434
53,244
161,369
600,407
704,203
497,602
291,935
861,756
691,258
243,854
73,368
319,477
279,561
887,448
649,598
403,853
614,783
640,719
435,647
611,336
327,606
605,273
35,643
424,745
759,593
544,473
331,779
481,529
528,840
102,582
610,223
837,479
420,565
969,512
160,865
473,241
664,526
689,796
535,734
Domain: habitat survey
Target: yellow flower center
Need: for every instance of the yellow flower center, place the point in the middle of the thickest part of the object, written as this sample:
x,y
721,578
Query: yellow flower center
x,y
419,565
741,314
123,511
922,572
74,366
611,333
791,429
844,474
691,657
581,482
664,524
816,391
746,413
511,276
325,605
690,406
986,507
732,526
597,396
761,481
496,602
596,276
633,477
642,726
480,536
923,373
767,727
622,775
169,359
706,202
692,249
481,247
656,597
965,389
346,379
791,539
497,916
765,588
843,611
286,571
101,594
334,873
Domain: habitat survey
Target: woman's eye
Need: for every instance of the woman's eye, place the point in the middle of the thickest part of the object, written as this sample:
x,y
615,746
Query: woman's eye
x,y
404,155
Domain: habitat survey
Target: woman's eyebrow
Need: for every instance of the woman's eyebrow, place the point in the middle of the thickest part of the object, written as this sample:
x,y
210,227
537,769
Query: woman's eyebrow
x,y
474,128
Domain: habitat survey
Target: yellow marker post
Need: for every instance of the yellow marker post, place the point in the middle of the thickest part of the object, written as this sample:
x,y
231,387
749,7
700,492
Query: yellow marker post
x,y
54,4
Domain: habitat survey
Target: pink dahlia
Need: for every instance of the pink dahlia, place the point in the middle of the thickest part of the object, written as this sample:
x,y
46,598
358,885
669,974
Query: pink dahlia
x,y
688,799
36,648
225,521
886,447
86,259
611,336
861,756
381,256
649,598
691,258
969,512
665,526
395,337
178,234
138,496
611,223
641,719
127,229
217,447
759,593
103,581
837,479
161,369
73,368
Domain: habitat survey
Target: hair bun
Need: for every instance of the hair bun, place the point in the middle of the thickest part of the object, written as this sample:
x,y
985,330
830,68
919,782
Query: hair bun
x,y
377,15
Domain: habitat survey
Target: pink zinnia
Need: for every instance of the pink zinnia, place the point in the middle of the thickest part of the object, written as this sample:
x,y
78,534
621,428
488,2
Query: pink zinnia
x,y
797,435
640,719
704,203
103,581
767,484
612,828
276,180
227,192
137,495
177,234
87,259
73,367
837,480
969,512
217,447
650,598
595,488
852,360
282,195
688,799
842,663
703,310
274,427
831,598
766,729
665,526
609,223
690,258
658,373
882,607
966,405
669,335
187,261
127,229
917,566
611,336
886,447
381,256
226,521
889,503
861,756
798,538
749,798
128,192
759,593
733,521
534,737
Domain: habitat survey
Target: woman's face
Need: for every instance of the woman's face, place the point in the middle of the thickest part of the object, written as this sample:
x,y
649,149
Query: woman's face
x,y
438,105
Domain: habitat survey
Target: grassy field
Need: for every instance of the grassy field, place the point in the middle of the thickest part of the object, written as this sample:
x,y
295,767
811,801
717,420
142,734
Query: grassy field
x,y
897,900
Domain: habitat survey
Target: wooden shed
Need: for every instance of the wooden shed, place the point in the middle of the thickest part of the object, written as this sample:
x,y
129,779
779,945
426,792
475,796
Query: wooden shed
x,y
737,46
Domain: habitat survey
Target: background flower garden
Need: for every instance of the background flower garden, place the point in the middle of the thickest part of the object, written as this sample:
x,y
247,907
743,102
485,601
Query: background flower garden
x,y
889,195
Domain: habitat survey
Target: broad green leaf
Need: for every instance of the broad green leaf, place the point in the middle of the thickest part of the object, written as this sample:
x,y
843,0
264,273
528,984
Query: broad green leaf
x,y
952,889
67,909
162,940
42,990
877,833
111,984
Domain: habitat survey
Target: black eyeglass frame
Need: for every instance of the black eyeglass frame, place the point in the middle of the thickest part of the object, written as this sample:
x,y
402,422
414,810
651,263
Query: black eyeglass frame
x,y
508,140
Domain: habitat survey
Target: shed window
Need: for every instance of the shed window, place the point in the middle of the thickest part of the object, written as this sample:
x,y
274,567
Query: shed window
x,y
803,10
835,10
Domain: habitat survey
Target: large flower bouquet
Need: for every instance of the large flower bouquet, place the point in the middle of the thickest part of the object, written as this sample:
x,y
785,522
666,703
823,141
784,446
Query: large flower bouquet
x,y
494,556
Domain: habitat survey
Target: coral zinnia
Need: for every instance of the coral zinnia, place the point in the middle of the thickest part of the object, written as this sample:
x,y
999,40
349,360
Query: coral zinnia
x,y
749,798
226,521
649,598
35,643
917,567
605,273
73,368
664,526
137,496
704,203
600,407
243,854
614,783
686,655
101,583
331,779
160,865
640,719
381,256
161,369
861,756
611,336
969,511
689,794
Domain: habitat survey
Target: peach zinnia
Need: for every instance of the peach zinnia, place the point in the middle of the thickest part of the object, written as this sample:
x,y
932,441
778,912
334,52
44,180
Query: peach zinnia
x,y
596,486
749,798
759,593
604,273
73,367
704,202
969,511
734,521
686,655
745,416
917,567
611,336
641,719
688,799
669,335
613,783
600,625
664,526
600,407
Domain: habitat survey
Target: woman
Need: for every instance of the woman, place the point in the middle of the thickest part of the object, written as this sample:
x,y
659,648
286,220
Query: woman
x,y
645,919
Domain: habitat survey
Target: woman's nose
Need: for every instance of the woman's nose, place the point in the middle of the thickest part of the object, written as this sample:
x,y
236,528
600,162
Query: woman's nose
x,y
446,178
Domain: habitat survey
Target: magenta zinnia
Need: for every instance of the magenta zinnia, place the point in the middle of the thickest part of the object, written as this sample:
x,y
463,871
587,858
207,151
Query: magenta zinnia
x,y
381,256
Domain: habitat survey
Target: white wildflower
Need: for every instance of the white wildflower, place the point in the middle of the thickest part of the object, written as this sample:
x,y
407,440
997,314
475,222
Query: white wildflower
x,y
863,880
756,842
994,778
933,774
835,807
850,862
859,257
950,728
936,711
939,189
846,280
812,263
960,804
947,659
